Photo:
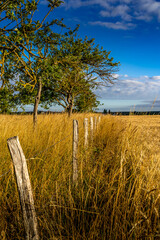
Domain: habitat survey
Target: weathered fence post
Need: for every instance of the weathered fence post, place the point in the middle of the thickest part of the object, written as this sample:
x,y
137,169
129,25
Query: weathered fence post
x,y
75,151
86,132
91,127
122,168
95,123
24,188
99,119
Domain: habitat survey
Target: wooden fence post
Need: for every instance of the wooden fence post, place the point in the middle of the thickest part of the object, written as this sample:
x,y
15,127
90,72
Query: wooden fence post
x,y
95,123
122,168
75,151
91,127
99,119
86,132
24,189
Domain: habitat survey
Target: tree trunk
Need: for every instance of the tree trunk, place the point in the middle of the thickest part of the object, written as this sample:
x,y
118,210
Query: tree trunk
x,y
37,100
70,108
70,104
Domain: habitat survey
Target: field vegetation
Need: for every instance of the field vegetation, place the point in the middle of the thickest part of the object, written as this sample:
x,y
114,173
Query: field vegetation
x,y
117,196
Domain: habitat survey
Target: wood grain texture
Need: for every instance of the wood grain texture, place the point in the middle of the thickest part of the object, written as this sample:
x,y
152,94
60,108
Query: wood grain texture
x,y
75,151
86,132
24,188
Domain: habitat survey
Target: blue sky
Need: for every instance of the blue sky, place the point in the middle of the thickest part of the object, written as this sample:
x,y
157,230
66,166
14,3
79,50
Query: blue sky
x,y
130,29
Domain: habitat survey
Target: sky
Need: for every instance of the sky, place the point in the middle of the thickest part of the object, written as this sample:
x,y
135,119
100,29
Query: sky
x,y
130,29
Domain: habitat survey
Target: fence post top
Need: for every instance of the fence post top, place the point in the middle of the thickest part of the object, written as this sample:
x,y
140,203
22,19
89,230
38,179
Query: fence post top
x,y
12,138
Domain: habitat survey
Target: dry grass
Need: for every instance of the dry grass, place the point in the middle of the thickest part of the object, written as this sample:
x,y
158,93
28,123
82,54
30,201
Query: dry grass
x,y
118,191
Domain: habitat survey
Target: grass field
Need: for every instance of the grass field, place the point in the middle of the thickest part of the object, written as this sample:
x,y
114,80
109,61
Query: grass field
x,y
118,191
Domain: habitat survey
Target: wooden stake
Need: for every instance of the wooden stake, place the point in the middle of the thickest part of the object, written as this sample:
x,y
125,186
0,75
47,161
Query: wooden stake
x,y
95,123
91,127
75,151
122,168
24,188
99,119
86,132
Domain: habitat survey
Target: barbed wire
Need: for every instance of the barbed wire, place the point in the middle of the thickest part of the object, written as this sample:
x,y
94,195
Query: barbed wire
x,y
66,207
5,173
46,149
39,153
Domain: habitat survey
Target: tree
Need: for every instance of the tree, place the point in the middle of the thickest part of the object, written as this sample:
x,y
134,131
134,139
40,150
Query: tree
x,y
80,66
72,68
86,102
105,111
26,41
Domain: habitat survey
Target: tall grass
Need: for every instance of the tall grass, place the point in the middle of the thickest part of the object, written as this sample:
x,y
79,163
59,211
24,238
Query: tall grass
x,y
118,191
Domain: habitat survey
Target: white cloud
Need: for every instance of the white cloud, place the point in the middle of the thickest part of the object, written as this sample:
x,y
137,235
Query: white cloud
x,y
115,75
116,25
117,11
125,11
146,77
156,77
140,88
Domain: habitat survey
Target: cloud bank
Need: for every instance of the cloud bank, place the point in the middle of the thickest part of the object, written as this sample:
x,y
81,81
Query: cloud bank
x,y
128,88
120,14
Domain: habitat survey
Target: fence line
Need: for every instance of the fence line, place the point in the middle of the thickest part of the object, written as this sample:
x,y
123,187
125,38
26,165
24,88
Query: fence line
x,y
39,153
42,151
49,147
22,175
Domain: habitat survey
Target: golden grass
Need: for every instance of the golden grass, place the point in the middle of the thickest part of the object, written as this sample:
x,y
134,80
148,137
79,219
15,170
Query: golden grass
x,y
118,191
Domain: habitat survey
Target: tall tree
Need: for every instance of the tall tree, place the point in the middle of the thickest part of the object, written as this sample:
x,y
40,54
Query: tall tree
x,y
26,40
80,66
72,69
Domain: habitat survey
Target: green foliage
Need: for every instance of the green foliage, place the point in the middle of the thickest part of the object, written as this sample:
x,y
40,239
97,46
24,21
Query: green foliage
x,y
23,38
7,100
68,66
105,111
79,67
86,102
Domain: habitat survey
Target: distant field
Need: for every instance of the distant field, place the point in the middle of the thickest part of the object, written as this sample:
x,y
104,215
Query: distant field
x,y
149,126
118,191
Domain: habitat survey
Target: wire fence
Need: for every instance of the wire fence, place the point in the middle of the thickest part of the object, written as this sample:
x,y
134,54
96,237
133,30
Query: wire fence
x,y
46,149
40,152
23,180
5,173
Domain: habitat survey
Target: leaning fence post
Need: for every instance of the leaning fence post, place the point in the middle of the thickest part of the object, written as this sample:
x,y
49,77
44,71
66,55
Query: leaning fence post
x,y
91,127
24,188
75,151
86,132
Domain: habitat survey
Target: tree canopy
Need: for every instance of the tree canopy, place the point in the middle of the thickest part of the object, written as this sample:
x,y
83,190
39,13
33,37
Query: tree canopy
x,y
45,66
22,36
79,67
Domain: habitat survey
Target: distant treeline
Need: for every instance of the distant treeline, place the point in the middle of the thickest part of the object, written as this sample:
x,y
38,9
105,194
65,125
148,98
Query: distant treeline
x,y
111,113
136,113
